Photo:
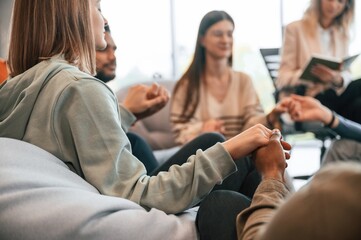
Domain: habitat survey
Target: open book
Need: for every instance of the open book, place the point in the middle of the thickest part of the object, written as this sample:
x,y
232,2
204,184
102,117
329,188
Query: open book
x,y
333,63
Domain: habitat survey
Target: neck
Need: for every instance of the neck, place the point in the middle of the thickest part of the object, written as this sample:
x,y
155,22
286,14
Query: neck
x,y
216,67
326,23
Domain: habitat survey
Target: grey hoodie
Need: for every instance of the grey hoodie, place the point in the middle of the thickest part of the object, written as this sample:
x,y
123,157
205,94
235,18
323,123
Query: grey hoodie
x,y
77,118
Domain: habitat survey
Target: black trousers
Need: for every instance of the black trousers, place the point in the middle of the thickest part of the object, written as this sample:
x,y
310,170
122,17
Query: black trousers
x,y
348,104
245,180
217,213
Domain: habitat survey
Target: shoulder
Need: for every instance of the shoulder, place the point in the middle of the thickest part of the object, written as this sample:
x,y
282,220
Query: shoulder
x,y
180,87
295,26
241,78
72,84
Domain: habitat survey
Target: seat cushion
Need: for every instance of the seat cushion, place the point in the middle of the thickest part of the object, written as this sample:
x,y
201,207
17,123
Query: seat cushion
x,y
40,198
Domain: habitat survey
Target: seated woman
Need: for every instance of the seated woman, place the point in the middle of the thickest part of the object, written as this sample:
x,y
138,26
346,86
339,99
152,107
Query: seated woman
x,y
52,101
323,30
211,96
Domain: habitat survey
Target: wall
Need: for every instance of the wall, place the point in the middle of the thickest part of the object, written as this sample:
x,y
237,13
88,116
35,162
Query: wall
x,y
5,15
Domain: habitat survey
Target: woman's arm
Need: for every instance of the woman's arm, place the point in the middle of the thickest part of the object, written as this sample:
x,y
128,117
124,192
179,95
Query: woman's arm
x,y
289,71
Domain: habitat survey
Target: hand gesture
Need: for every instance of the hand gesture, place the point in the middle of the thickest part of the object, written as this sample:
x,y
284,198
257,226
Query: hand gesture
x,y
308,109
144,101
270,160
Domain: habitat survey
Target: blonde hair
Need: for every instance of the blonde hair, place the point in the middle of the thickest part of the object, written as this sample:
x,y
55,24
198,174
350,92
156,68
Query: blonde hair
x,y
42,29
343,22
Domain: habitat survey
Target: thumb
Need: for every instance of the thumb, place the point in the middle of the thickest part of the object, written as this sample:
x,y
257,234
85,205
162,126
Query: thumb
x,y
276,135
154,90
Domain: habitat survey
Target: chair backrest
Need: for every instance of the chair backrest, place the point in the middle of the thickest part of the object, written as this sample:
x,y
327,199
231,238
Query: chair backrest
x,y
272,59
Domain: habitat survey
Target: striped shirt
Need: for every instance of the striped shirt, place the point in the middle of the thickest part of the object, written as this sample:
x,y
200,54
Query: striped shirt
x,y
239,110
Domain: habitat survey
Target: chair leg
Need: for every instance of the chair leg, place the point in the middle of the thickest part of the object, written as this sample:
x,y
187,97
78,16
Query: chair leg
x,y
323,150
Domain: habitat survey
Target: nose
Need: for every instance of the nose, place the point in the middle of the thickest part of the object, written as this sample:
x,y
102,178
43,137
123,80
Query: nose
x,y
105,20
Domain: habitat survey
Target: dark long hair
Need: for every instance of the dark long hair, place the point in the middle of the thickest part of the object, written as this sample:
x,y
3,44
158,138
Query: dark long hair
x,y
192,77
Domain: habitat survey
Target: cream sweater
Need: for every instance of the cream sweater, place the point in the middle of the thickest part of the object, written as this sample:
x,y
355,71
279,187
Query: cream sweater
x,y
239,110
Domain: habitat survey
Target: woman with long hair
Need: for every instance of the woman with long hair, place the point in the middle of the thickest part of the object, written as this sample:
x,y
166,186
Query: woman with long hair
x,y
211,96
52,101
323,30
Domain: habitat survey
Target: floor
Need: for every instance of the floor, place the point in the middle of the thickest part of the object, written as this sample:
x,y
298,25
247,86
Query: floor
x,y
305,156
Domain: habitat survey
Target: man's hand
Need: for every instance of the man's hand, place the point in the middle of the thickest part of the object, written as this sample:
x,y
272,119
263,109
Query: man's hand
x,y
270,160
144,101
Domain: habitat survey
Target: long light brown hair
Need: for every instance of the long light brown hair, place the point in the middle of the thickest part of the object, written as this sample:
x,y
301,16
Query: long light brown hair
x,y
192,77
343,22
42,29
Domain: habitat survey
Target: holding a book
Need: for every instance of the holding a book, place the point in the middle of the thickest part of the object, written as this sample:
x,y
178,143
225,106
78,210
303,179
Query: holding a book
x,y
323,31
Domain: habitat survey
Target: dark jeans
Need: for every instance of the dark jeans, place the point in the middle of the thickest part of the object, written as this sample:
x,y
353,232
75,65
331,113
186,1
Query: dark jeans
x,y
245,180
216,218
142,150
348,104
202,142
217,213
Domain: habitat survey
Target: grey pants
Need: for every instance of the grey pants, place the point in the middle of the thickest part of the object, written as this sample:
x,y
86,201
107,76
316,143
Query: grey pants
x,y
343,150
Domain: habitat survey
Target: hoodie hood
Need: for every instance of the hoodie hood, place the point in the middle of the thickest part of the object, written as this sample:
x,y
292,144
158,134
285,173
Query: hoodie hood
x,y
18,96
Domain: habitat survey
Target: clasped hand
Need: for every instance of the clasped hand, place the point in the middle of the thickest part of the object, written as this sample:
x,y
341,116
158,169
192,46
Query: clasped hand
x,y
270,160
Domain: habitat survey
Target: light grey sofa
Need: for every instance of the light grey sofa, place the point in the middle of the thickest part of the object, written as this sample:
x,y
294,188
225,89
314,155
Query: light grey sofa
x,y
155,129
40,198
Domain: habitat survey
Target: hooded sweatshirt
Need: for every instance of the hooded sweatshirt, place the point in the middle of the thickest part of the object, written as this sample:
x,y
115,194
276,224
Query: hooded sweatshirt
x,y
76,117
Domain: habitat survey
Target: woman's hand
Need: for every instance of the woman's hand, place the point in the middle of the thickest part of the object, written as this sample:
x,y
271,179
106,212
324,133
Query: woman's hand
x,y
308,109
248,141
327,75
273,118
213,125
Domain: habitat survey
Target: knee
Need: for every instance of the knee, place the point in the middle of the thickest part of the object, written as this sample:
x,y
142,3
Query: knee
x,y
212,137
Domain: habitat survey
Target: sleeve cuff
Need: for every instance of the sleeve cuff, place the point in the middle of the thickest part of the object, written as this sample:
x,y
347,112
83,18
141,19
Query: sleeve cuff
x,y
128,118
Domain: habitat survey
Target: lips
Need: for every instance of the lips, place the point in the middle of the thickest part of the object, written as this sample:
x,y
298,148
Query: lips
x,y
112,67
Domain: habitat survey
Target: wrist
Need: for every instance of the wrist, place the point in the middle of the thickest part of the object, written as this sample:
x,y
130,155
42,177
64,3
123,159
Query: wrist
x,y
331,122
338,82
273,175
268,119
272,119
